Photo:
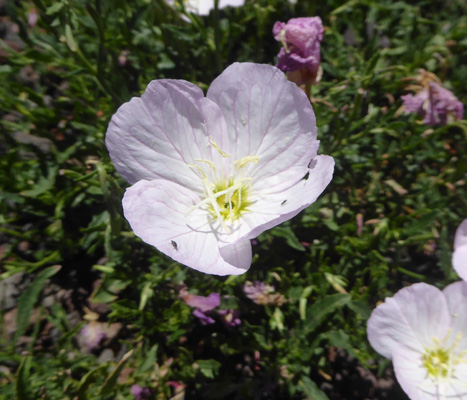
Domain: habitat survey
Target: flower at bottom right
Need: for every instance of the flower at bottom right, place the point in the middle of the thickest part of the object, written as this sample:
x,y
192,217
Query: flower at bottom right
x,y
424,331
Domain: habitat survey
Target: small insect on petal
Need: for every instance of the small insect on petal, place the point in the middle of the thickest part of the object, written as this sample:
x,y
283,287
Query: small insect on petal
x,y
174,244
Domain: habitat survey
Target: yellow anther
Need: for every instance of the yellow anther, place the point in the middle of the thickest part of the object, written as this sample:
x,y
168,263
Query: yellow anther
x,y
216,146
243,162
209,162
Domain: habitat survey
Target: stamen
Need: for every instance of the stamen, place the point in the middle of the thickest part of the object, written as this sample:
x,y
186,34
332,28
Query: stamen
x,y
198,168
243,162
209,162
216,146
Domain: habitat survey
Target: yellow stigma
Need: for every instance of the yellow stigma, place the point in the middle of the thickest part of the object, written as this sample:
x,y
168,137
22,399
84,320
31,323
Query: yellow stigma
x,y
437,363
231,199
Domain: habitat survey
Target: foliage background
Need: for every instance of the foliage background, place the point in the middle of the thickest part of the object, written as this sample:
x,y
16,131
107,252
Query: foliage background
x,y
386,220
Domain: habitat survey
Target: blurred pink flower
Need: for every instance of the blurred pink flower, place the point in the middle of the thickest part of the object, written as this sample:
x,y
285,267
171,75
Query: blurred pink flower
x,y
141,393
433,102
203,305
300,55
262,293
92,335
33,17
210,173
424,331
459,257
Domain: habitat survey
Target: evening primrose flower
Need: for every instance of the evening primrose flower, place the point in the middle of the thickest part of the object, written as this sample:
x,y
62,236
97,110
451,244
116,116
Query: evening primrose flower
x,y
210,173
424,331
300,53
459,257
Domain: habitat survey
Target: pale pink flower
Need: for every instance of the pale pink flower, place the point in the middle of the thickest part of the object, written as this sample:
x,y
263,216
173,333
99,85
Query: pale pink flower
x,y
424,331
210,173
459,257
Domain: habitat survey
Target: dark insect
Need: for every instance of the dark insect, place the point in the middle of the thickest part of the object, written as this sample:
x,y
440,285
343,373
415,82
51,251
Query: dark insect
x,y
285,201
174,244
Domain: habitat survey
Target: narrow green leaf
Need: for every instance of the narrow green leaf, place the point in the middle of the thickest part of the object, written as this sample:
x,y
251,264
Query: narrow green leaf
x,y
29,297
111,380
85,381
319,310
22,379
70,40
149,360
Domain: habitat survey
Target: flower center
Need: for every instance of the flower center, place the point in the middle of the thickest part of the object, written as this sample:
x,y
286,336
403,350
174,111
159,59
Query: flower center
x,y
437,362
226,198
440,361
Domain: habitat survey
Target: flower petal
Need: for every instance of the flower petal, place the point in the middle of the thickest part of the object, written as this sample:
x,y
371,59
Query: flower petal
x,y
460,239
274,206
203,303
156,211
411,375
409,320
459,262
269,117
456,296
159,134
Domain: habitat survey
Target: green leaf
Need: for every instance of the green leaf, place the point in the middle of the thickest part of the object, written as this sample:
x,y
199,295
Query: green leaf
x,y
149,361
29,297
111,380
85,381
54,8
341,340
22,380
289,236
208,368
311,389
319,310
70,40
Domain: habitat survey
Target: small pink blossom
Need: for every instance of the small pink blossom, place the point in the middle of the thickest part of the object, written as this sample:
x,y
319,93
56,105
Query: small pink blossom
x,y
92,335
33,17
424,331
141,393
209,174
300,55
459,257
203,305
432,101
262,293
